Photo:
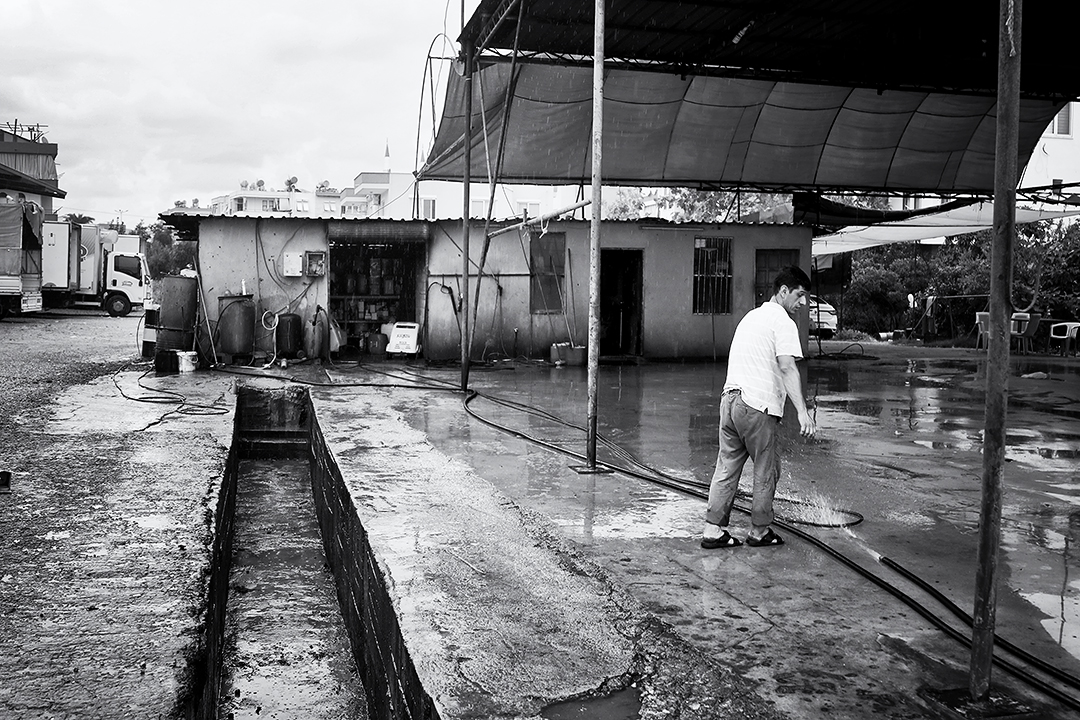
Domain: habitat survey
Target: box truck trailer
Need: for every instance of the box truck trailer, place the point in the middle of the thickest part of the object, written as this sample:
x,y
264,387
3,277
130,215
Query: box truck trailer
x,y
20,258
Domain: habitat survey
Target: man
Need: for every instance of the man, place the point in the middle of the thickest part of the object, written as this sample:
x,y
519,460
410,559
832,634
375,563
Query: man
x,y
761,375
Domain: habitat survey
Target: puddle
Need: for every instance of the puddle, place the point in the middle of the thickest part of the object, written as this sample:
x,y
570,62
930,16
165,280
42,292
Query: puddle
x,y
620,705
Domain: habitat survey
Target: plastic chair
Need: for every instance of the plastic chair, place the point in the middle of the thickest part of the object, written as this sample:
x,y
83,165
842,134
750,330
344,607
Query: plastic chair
x,y
983,321
1067,333
1018,322
1024,330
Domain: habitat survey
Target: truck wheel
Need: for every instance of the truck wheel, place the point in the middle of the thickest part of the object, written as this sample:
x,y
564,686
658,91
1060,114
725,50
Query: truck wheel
x,y
117,305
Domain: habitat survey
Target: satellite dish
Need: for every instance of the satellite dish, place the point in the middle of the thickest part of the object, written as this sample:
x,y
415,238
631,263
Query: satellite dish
x,y
259,184
324,183
243,184
293,179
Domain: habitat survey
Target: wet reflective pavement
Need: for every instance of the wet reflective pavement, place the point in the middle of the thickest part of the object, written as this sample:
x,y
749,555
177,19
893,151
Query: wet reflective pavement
x,y
898,444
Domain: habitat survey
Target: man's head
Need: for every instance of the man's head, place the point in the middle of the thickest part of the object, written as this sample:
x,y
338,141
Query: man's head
x,y
790,288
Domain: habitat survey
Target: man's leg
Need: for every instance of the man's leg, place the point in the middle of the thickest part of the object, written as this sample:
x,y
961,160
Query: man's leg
x,y
730,459
759,434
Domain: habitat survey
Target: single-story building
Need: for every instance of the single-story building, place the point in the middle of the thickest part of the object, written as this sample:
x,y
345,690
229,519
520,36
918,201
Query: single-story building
x,y
668,290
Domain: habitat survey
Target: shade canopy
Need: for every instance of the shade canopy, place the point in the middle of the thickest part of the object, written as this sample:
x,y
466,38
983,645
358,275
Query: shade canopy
x,y
887,96
946,223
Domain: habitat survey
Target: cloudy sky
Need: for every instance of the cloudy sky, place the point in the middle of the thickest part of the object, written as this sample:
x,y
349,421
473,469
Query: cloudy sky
x,y
152,102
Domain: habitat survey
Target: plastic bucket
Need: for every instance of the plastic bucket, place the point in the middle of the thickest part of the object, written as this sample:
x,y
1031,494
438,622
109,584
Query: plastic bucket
x,y
187,361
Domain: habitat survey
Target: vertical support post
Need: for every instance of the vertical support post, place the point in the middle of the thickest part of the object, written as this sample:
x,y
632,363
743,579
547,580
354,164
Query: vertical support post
x,y
594,231
466,331
997,374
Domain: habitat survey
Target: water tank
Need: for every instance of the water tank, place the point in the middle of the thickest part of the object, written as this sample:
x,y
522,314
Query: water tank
x,y
236,325
376,343
176,316
289,335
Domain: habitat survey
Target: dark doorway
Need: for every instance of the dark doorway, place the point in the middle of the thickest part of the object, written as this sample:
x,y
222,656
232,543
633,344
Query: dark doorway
x,y
621,283
371,284
767,264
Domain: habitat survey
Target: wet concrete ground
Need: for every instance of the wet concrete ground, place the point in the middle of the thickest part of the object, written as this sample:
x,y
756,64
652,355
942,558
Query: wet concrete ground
x,y
95,580
899,443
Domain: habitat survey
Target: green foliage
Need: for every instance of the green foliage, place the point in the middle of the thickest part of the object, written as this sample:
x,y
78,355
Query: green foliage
x,y
876,300
165,255
629,204
1045,261
78,219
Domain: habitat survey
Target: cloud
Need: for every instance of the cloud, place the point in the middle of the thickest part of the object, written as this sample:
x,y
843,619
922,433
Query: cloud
x,y
153,102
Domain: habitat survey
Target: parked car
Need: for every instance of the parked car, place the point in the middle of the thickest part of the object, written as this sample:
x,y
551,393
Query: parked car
x,y
822,318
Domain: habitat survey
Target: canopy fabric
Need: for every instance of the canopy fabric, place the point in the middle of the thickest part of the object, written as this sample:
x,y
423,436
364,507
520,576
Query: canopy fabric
x,y
665,129
878,44
954,221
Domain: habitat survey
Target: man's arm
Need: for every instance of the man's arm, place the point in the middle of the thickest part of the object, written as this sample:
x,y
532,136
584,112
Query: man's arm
x,y
793,384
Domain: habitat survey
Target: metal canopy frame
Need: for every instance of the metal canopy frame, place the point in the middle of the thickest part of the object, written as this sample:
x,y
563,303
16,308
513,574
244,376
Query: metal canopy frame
x,y
958,48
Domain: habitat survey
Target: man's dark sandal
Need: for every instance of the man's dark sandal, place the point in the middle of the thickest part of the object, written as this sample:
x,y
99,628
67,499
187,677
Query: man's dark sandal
x,y
724,541
769,538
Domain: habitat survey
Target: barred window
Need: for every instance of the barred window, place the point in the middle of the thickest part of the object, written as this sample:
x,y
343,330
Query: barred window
x,y
712,276
547,258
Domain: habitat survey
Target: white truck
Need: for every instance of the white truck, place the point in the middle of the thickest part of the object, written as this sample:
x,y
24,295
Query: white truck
x,y
86,265
112,272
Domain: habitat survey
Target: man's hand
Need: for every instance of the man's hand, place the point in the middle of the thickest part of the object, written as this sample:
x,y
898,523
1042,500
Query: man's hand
x,y
793,385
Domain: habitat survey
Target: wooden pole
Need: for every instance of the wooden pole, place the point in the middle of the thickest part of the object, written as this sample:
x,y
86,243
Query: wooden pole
x,y
997,371
466,334
594,231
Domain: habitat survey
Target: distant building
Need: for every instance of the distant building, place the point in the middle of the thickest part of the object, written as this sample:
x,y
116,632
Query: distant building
x,y
1056,158
28,168
393,196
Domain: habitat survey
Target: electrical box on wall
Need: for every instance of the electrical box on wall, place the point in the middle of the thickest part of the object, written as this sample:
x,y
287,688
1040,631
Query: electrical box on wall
x,y
292,264
315,263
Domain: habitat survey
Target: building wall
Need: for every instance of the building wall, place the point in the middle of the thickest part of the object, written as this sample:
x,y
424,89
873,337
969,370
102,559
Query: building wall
x,y
1057,154
506,327
246,254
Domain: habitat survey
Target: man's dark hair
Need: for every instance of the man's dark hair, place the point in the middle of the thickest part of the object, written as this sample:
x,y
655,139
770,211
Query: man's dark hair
x,y
791,276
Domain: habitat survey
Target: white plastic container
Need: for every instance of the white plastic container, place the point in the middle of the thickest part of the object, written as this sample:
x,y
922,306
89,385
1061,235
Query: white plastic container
x,y
187,360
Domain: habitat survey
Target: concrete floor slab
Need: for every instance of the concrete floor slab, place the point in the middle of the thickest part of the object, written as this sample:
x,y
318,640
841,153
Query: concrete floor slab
x,y
521,582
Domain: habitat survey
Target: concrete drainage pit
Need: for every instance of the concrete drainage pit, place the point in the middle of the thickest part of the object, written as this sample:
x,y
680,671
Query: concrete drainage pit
x,y
299,623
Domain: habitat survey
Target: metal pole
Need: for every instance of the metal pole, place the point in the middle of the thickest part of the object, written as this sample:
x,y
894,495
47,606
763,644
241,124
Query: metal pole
x,y
997,372
594,232
466,335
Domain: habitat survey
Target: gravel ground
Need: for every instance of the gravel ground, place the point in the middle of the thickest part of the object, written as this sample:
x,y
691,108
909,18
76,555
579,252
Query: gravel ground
x,y
104,551
44,353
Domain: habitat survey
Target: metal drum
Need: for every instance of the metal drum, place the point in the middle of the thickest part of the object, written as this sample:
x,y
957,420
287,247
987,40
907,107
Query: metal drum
x,y
236,324
176,316
289,335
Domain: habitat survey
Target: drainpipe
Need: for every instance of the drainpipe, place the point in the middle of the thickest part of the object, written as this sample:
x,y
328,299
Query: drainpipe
x,y
466,334
997,366
594,228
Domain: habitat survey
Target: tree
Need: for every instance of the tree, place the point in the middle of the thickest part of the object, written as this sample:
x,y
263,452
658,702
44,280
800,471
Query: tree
x,y
1046,255
78,219
165,255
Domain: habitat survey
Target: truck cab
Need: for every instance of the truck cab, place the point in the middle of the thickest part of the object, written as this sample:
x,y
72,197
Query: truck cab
x,y
125,282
